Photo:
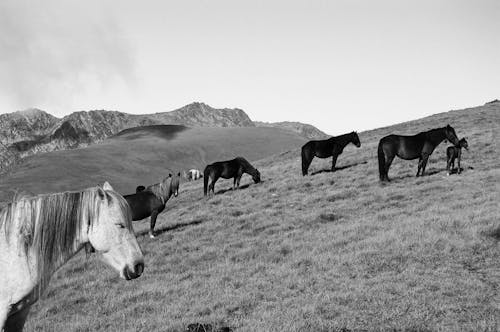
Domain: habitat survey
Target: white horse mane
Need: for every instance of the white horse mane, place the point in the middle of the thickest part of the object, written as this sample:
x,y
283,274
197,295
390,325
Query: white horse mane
x,y
162,189
50,224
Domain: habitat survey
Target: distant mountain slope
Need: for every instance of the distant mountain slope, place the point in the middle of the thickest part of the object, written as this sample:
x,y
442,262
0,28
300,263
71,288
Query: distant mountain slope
x,y
33,131
305,130
143,155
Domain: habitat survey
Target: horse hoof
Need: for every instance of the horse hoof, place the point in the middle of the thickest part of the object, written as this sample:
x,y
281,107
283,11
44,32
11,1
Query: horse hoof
x,y
151,235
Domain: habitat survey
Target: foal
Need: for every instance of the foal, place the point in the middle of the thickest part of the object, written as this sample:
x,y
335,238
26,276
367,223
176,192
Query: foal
x,y
453,152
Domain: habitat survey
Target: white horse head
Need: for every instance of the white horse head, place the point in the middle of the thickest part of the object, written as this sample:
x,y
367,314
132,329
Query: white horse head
x,y
112,235
39,234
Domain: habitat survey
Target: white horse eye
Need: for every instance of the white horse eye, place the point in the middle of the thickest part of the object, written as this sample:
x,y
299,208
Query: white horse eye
x,y
120,225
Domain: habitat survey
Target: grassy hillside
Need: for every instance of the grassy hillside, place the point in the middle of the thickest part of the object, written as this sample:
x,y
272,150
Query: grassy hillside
x,y
143,155
325,252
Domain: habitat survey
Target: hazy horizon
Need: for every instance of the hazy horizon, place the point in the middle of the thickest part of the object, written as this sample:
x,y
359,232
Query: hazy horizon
x,y
338,65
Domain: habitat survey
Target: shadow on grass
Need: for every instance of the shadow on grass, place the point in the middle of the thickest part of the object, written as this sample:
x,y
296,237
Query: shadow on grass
x,y
494,233
407,176
455,170
199,327
432,172
245,186
337,168
164,229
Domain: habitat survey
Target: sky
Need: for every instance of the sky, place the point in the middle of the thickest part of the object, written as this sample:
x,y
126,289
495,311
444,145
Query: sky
x,y
338,65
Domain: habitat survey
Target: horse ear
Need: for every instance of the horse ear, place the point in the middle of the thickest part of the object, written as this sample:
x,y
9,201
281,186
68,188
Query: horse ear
x,y
107,186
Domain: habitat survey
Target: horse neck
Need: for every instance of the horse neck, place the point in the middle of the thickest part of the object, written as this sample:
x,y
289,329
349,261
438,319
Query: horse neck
x,y
65,251
343,140
165,190
436,136
78,245
247,168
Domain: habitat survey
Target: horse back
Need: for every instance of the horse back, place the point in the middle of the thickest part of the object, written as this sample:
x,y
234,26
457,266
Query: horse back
x,y
142,204
452,151
230,168
405,147
321,148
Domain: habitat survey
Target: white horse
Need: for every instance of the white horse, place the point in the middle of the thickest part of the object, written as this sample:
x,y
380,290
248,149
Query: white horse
x,y
39,234
194,174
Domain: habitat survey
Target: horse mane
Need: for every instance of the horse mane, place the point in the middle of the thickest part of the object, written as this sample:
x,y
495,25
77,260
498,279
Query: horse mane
x,y
50,225
246,165
161,189
352,133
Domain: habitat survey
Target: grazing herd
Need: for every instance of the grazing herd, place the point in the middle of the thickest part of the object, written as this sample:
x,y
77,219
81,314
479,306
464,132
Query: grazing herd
x,y
39,234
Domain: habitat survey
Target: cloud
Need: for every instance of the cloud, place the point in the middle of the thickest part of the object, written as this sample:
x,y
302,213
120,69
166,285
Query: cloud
x,y
51,51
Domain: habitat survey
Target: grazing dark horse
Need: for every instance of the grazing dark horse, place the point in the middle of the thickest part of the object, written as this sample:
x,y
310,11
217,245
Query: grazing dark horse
x,y
228,169
453,152
152,200
419,146
331,147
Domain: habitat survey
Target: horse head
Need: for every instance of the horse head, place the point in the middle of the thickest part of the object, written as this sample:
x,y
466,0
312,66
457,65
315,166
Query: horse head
x,y
355,139
256,176
463,144
110,232
451,135
174,184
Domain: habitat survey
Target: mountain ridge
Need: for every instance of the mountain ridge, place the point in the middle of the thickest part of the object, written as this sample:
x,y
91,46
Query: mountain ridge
x,y
33,131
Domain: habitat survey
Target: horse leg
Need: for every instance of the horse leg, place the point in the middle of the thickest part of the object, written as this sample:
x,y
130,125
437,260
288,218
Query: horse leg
x,y
306,161
448,164
334,161
234,183
15,322
238,178
388,163
458,163
419,166
425,158
212,185
154,215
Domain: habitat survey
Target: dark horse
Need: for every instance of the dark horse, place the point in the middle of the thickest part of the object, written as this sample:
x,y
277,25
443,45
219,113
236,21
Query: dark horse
x,y
331,147
228,169
152,200
419,146
453,152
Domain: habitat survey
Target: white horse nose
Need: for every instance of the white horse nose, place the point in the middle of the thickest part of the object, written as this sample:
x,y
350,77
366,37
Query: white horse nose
x,y
138,269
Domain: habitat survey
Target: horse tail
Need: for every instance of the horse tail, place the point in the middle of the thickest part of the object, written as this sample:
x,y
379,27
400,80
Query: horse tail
x,y
206,175
305,160
381,161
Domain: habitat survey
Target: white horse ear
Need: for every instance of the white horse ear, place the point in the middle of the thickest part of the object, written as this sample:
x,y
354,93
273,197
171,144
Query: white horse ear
x,y
107,186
